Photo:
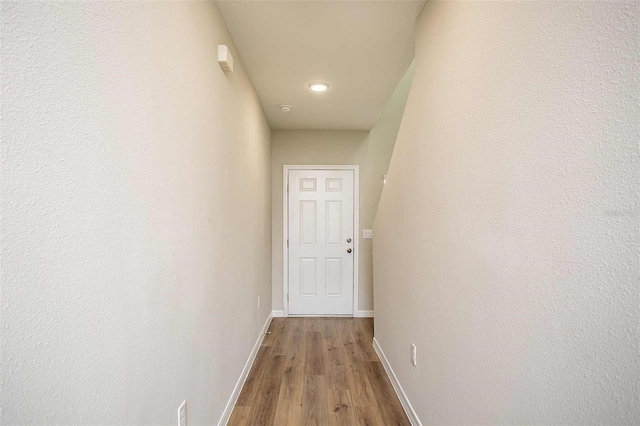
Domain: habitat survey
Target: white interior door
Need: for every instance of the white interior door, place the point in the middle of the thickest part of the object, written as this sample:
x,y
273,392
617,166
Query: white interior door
x,y
321,246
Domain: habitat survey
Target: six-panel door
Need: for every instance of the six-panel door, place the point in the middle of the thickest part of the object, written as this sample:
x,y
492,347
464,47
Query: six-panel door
x,y
320,214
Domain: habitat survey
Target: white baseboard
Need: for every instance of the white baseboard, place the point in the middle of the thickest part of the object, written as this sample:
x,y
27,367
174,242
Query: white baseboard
x,y
413,417
359,314
226,414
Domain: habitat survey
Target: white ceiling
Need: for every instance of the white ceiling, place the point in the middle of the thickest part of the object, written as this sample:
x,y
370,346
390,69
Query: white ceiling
x,y
361,48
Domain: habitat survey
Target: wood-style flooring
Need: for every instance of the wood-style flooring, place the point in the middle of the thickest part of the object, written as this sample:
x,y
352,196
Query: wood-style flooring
x,y
318,371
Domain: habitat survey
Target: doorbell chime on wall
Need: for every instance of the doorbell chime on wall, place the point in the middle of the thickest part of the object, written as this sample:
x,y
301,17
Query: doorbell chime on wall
x,y
224,58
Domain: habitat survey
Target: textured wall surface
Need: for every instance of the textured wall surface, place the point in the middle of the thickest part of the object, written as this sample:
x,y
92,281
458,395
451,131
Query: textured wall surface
x,y
507,238
369,150
136,213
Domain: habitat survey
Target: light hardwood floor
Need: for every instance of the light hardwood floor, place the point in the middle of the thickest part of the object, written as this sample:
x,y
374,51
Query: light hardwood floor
x,y
318,371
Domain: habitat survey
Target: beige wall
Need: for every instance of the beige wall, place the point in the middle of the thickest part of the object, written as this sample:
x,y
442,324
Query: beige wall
x,y
133,170
507,236
369,150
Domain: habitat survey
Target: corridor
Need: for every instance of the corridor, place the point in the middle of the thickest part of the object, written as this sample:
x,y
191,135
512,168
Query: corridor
x,y
179,178
321,371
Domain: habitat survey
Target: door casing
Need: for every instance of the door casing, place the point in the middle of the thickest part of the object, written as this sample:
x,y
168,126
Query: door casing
x,y
285,227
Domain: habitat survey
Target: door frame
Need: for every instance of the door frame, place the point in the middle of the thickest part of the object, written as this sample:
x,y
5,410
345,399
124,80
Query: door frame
x,y
285,227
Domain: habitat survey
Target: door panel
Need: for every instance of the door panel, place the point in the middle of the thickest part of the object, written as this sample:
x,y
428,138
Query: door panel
x,y
334,222
320,213
307,277
308,230
334,277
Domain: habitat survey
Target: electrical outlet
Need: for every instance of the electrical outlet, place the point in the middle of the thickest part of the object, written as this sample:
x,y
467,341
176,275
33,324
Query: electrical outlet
x,y
413,354
182,414
258,302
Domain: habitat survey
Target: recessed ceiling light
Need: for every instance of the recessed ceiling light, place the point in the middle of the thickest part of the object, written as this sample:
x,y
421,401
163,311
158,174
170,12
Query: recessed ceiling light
x,y
318,86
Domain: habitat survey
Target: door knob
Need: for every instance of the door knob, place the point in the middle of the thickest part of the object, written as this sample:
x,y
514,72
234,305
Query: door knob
x,y
349,250
348,240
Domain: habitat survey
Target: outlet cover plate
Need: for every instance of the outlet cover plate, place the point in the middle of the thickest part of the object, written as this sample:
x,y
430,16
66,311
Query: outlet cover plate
x,y
414,359
182,414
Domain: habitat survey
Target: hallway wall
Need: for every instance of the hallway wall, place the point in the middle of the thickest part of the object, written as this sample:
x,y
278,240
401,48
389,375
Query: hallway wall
x,y
133,172
370,150
507,236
